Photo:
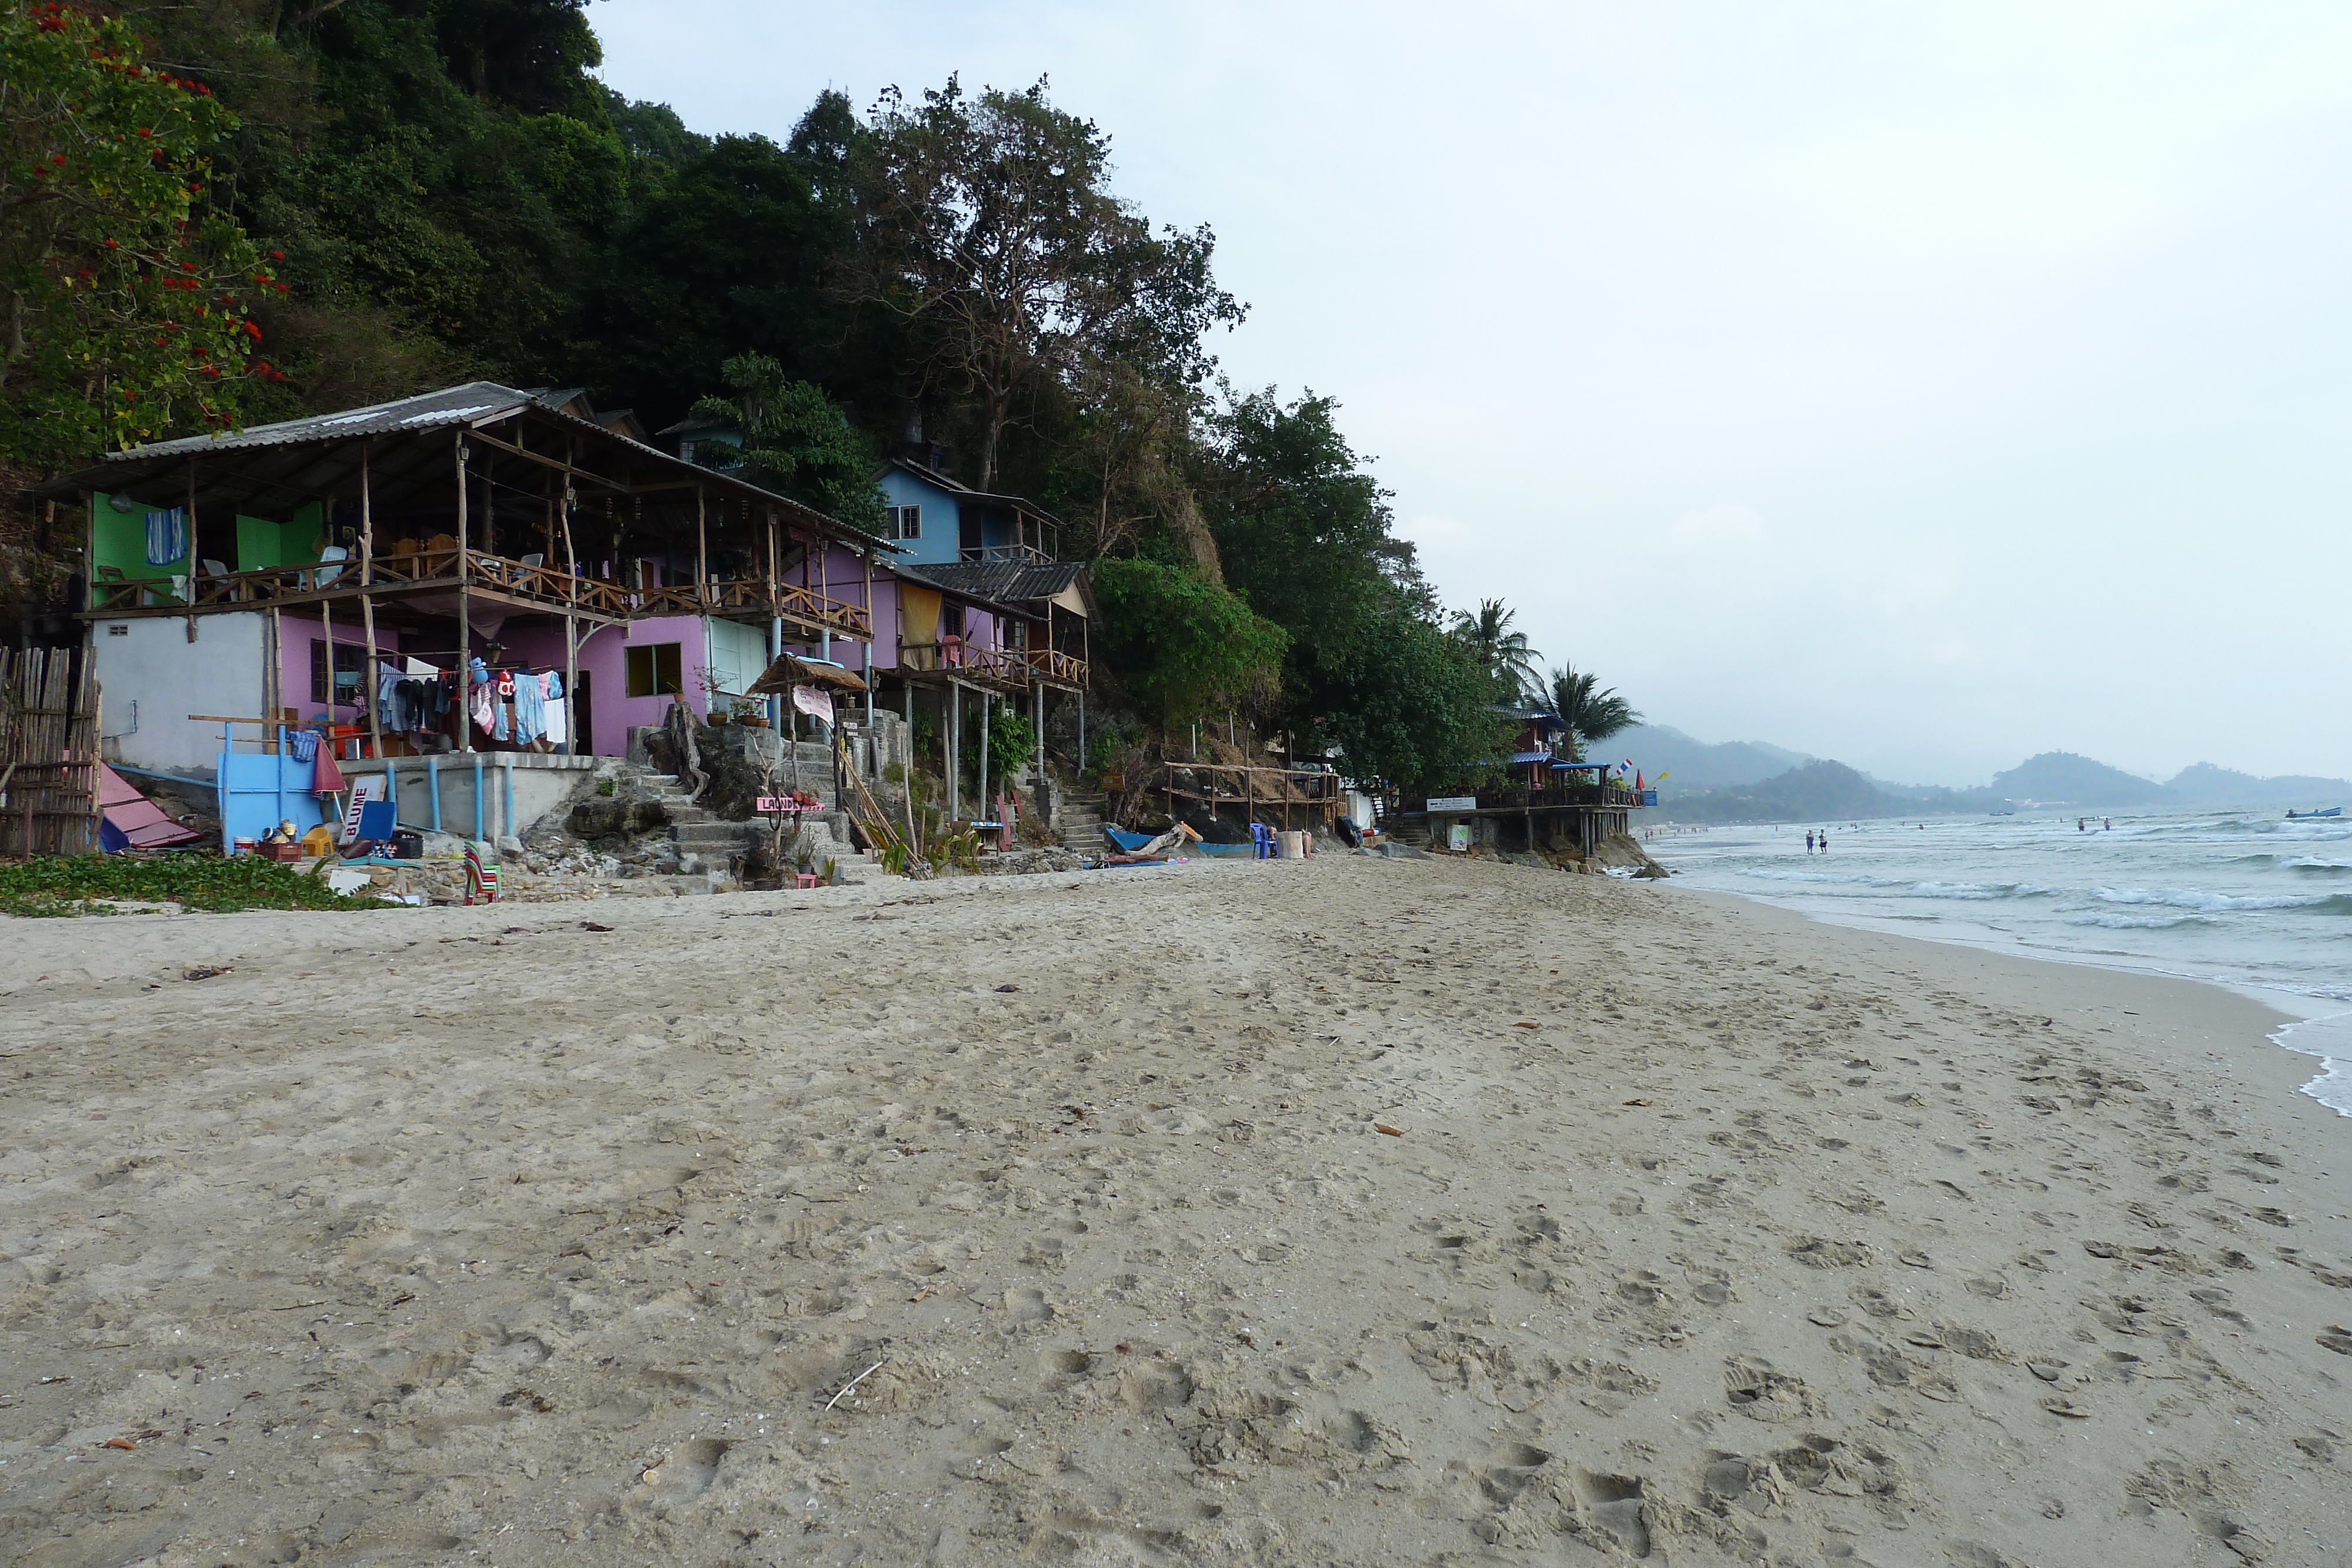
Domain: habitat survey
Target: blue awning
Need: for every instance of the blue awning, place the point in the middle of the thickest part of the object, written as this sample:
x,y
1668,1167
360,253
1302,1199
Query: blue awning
x,y
1597,766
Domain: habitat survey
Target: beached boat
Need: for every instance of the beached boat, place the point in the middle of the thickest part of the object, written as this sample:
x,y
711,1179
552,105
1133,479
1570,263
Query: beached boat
x,y
2307,816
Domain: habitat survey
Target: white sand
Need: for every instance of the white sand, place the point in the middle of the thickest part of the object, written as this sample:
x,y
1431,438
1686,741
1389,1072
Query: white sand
x,y
416,1239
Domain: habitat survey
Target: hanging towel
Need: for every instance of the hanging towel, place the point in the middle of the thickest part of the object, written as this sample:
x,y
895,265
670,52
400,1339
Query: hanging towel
x,y
167,538
327,778
483,710
302,743
530,707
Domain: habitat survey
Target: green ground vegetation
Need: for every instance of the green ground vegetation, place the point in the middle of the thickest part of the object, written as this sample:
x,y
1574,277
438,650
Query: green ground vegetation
x,y
96,884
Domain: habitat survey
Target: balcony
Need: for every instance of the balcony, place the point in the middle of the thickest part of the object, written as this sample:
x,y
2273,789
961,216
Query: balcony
x,y
527,581
1519,797
999,669
1015,555
1052,668
804,607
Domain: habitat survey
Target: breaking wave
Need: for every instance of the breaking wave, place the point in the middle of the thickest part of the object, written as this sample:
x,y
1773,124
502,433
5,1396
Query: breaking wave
x,y
2139,922
2219,903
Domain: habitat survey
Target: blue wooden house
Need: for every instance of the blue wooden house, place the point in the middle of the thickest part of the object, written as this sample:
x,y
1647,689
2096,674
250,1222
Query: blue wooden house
x,y
939,522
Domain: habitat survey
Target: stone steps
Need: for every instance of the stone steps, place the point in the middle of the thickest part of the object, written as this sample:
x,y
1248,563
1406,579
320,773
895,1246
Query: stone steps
x,y
1078,819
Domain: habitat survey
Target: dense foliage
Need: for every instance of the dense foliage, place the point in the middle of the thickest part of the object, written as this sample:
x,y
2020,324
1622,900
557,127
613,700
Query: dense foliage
x,y
124,286
793,441
1183,645
454,194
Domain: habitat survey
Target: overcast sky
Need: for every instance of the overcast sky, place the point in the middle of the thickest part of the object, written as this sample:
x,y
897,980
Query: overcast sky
x,y
1920,386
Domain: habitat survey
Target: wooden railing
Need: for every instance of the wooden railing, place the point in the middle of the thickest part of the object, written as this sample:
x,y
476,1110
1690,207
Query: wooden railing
x,y
527,579
1517,796
1056,668
980,665
1027,555
752,595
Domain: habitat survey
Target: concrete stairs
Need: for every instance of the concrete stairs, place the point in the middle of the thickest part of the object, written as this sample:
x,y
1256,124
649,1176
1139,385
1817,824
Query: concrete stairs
x,y
1077,817
711,839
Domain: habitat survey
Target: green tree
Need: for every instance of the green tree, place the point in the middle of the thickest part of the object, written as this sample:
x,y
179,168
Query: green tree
x,y
1410,708
1012,741
1501,650
125,292
988,225
1302,529
1184,646
794,442
731,247
1591,713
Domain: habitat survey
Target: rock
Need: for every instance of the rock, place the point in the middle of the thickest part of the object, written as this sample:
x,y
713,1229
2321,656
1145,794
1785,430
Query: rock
x,y
615,817
1623,851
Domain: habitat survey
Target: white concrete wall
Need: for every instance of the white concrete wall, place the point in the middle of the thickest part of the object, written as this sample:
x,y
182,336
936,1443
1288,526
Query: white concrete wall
x,y
542,788
152,678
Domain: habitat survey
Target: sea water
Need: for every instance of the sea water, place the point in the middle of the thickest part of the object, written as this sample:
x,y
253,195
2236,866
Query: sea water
x,y
2242,898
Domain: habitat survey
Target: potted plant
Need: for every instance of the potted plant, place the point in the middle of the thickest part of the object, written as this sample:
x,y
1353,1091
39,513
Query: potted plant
x,y
713,690
751,713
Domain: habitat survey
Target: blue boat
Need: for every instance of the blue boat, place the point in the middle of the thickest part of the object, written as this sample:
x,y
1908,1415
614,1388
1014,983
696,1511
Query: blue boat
x,y
2309,816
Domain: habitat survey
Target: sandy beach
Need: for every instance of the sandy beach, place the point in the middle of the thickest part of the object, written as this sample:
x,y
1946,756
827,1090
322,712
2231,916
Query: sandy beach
x,y
1060,1219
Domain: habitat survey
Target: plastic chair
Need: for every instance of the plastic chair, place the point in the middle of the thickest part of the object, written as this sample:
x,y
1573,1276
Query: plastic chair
x,y
1262,841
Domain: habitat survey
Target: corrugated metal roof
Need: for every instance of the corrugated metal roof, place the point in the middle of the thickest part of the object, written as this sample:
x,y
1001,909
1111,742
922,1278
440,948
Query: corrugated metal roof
x,y
1011,580
930,576
450,405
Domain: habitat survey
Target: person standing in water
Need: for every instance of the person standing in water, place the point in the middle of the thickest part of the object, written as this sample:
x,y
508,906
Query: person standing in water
x,y
1825,841
1809,841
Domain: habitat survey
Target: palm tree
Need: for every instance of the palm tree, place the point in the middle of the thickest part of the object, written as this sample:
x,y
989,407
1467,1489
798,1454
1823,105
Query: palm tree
x,y
1503,653
1589,715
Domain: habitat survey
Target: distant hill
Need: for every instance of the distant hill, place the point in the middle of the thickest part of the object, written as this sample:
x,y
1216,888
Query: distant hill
x,y
1818,792
2063,778
2207,785
1748,780
1697,764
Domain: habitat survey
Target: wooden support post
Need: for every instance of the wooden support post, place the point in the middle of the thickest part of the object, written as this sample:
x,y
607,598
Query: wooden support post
x,y
273,683
190,564
370,682
464,610
702,553
987,801
571,618
867,558
955,748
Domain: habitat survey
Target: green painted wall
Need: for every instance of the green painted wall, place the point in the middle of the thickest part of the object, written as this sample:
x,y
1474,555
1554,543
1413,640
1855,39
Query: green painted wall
x,y
122,541
263,545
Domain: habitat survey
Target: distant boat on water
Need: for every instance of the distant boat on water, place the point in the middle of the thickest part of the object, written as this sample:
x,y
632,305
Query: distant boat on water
x,y
2307,816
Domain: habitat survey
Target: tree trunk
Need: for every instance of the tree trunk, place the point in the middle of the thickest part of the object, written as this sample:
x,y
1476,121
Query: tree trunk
x,y
1184,517
999,411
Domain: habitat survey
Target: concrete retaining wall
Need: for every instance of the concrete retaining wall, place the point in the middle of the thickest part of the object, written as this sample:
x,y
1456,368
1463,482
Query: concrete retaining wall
x,y
517,790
